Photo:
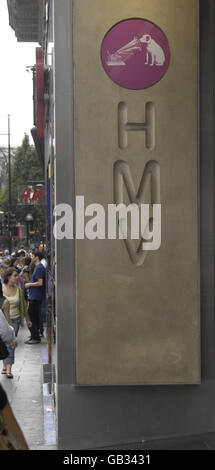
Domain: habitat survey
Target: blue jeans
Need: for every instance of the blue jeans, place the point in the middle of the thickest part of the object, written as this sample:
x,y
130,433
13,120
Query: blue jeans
x,y
10,358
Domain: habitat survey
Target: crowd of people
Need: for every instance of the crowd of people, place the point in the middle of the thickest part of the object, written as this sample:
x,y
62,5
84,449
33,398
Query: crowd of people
x,y
22,296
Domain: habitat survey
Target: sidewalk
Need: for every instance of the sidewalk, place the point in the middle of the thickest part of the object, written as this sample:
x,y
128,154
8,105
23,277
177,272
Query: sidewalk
x,y
29,398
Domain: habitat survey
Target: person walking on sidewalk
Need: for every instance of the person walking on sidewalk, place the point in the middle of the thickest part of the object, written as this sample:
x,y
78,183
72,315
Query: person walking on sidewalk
x,y
36,295
17,312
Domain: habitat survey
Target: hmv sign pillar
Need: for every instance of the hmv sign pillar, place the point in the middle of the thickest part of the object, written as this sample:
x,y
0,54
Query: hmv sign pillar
x,y
135,142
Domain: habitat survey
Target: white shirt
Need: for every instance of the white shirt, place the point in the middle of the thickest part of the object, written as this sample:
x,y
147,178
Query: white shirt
x,y
6,331
44,262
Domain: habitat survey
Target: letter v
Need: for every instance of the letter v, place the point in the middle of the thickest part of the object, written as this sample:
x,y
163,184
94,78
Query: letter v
x,y
122,176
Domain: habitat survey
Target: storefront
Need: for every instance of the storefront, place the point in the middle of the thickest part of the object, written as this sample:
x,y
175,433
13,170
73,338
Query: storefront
x,y
128,94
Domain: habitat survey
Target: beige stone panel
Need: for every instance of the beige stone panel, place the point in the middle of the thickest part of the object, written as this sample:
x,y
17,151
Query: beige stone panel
x,y
138,325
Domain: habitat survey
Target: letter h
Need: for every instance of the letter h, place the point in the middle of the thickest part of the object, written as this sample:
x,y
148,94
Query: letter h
x,y
148,126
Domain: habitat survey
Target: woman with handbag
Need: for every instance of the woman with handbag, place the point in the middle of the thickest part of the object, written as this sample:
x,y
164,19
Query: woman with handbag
x,y
18,310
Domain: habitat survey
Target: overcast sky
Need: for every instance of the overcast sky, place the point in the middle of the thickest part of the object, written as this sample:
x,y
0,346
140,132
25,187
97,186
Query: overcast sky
x,y
16,88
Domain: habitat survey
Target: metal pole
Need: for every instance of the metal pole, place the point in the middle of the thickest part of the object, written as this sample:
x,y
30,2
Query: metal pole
x,y
34,93
27,241
9,190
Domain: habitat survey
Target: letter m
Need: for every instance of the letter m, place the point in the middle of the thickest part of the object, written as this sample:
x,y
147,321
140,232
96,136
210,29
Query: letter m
x,y
123,177
26,195
37,194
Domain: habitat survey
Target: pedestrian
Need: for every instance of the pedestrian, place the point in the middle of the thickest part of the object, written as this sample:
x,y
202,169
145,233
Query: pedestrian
x,y
25,273
36,295
18,310
11,436
7,333
19,263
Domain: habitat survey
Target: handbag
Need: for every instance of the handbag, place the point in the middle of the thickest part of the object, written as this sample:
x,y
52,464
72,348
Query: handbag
x,y
3,350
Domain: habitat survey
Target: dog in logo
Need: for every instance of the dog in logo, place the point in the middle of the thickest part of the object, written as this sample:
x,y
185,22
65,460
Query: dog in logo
x,y
154,50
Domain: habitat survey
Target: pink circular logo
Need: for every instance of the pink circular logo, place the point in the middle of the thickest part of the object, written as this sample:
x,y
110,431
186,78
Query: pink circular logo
x,y
135,53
